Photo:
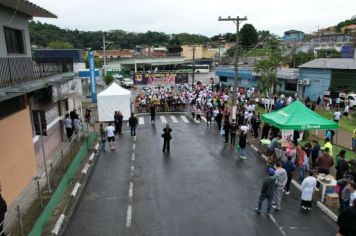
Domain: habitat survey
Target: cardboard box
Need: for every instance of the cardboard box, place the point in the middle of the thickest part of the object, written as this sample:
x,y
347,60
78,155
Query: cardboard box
x,y
332,200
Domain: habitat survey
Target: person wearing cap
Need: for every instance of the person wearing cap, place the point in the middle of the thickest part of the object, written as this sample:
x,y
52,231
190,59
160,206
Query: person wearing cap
x,y
267,192
329,146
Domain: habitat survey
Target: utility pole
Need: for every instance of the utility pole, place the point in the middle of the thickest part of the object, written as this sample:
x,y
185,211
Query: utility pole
x,y
104,49
237,22
193,75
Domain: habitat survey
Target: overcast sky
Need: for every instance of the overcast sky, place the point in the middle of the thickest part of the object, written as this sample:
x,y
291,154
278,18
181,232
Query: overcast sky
x,y
196,16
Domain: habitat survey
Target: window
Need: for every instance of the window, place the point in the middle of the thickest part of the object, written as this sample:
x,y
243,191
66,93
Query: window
x,y
14,41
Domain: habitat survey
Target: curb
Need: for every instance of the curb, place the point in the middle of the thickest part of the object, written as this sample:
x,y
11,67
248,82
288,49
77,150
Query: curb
x,y
319,204
77,190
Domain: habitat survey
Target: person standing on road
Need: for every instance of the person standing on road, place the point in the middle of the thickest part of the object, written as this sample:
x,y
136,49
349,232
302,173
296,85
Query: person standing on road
x,y
103,138
289,166
308,185
341,165
68,126
267,192
354,141
153,113
166,138
218,120
226,128
118,123
233,130
3,210
346,221
323,164
209,116
315,152
281,181
133,124
337,116
255,122
328,146
110,134
242,145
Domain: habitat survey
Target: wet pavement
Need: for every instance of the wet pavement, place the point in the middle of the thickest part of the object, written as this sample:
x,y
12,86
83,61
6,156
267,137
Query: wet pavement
x,y
200,188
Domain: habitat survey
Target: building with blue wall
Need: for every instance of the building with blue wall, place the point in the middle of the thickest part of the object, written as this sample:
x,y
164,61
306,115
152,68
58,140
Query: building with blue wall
x,y
286,77
326,74
293,36
245,76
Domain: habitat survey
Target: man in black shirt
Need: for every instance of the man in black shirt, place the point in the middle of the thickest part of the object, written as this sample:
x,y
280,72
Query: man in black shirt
x,y
133,124
346,221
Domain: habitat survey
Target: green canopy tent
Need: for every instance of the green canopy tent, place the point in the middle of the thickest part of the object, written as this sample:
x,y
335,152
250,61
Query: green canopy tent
x,y
297,116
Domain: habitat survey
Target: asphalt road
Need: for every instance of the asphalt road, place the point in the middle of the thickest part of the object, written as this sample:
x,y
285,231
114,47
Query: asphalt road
x,y
200,188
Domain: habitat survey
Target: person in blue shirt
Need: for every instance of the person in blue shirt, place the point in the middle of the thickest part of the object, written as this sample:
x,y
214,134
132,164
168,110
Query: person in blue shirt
x,y
289,166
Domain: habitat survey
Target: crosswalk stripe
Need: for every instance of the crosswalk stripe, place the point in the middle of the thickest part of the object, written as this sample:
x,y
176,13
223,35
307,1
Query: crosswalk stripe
x,y
163,119
196,121
174,119
141,121
127,124
203,118
184,119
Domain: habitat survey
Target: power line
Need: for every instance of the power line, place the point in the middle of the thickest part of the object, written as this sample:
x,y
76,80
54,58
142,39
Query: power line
x,y
237,21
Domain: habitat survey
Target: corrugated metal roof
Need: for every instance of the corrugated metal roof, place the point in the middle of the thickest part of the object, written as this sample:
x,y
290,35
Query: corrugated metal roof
x,y
27,8
331,63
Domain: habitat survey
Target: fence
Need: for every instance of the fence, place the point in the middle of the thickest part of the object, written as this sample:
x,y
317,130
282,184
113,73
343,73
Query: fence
x,y
17,70
60,174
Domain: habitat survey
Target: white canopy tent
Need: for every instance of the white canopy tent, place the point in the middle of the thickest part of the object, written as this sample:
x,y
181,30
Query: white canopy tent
x,y
114,98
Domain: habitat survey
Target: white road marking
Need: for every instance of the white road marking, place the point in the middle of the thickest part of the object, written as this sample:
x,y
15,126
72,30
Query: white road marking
x,y
184,119
174,119
163,119
127,124
75,189
85,169
134,146
129,216
203,118
133,156
297,185
196,121
327,211
91,158
97,146
131,191
58,225
141,121
132,168
254,148
264,157
278,226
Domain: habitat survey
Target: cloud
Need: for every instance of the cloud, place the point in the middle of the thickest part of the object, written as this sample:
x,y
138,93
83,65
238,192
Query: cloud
x,y
196,16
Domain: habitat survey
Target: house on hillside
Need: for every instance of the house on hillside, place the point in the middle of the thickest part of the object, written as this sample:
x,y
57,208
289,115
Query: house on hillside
x,y
293,36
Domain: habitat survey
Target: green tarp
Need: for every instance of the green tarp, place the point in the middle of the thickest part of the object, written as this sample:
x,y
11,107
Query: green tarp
x,y
297,116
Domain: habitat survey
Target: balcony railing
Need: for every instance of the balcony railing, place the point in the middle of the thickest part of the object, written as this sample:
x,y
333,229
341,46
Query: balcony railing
x,y
17,70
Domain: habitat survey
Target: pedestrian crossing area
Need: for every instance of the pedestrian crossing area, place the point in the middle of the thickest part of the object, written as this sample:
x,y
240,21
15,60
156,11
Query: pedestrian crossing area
x,y
170,119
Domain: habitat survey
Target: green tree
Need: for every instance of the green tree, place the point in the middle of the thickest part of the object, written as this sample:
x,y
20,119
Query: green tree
x,y
108,79
301,58
59,45
328,54
267,71
248,36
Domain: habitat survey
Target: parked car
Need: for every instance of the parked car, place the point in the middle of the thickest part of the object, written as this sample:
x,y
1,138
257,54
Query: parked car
x,y
127,82
351,99
117,76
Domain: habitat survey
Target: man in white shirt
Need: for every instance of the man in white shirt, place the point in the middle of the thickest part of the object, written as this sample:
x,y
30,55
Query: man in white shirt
x,y
337,116
290,100
110,133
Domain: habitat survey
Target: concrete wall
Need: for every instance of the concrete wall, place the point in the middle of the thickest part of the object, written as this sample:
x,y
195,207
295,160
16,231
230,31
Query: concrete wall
x,y
319,82
20,22
17,158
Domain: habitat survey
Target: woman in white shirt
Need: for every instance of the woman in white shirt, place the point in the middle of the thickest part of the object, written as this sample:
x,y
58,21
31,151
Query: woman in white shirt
x,y
308,186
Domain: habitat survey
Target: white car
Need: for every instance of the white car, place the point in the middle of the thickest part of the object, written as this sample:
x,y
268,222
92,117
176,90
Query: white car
x,y
351,99
127,82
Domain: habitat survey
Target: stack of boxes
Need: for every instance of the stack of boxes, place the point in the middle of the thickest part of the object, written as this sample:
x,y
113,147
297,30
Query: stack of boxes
x,y
332,200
